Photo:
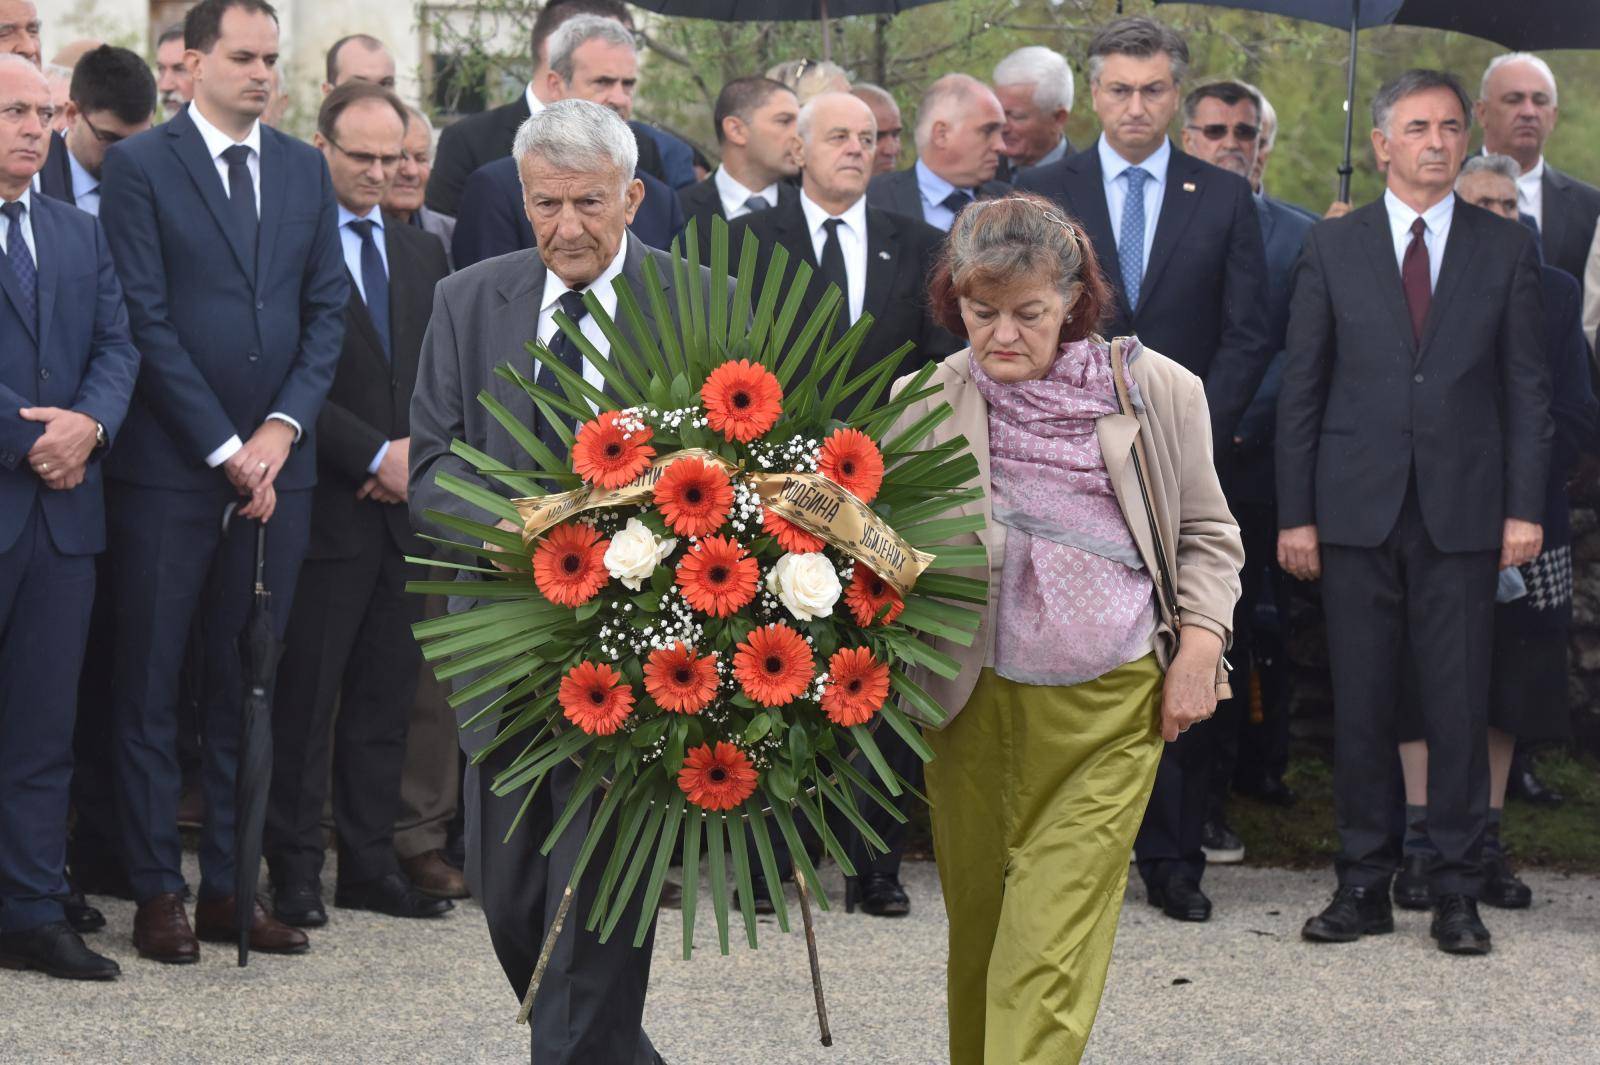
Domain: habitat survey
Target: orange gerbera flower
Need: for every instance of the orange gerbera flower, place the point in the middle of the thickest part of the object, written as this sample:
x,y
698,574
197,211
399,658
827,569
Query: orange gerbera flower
x,y
717,577
867,597
857,686
773,665
569,565
608,455
594,698
852,461
742,399
790,536
717,778
678,680
694,497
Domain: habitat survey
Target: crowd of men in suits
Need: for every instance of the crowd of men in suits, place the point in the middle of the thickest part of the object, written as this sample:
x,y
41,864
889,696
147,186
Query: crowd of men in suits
x,y
259,347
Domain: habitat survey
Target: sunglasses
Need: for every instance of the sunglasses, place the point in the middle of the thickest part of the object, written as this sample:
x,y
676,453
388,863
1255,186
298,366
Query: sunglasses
x,y
1218,130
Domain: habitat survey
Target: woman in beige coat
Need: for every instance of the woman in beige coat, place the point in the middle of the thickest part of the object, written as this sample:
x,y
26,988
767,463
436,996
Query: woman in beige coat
x,y
1113,571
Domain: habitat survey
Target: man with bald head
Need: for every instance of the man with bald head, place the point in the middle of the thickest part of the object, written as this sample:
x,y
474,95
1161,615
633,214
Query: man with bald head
x,y
60,308
1517,107
959,124
879,262
358,57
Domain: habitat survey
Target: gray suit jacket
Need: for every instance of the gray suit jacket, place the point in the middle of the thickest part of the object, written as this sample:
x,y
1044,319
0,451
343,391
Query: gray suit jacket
x,y
440,225
898,192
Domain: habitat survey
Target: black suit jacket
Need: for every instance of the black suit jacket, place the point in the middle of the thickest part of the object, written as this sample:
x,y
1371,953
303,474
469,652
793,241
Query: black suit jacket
x,y
701,202
493,222
474,140
900,254
1364,405
370,401
1570,208
55,177
897,191
1202,300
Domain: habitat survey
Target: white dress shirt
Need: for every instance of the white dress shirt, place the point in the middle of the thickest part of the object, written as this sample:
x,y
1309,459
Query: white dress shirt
x,y
535,105
216,143
1113,169
350,243
1436,231
27,231
85,186
735,194
549,303
852,242
1530,193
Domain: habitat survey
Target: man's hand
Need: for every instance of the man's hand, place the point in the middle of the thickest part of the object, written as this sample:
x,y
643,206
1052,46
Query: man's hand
x,y
1189,693
1520,542
263,501
60,456
1336,209
374,490
1298,554
394,472
261,457
509,526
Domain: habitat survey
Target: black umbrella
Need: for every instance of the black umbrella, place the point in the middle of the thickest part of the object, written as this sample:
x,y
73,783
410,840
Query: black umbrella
x,y
258,661
1524,26
781,11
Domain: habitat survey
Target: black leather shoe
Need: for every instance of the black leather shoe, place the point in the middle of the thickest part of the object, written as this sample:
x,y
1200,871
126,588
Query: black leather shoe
x,y
878,894
80,915
1525,784
763,897
299,905
1501,888
1181,899
1457,927
392,894
1411,890
1353,913
56,950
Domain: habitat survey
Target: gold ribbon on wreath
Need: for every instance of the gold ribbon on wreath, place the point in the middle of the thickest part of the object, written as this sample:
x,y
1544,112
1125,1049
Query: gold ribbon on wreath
x,y
809,500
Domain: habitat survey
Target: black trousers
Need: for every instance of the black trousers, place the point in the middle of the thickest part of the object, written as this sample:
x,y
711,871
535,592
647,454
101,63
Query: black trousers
x,y
93,842
590,1006
1406,605
344,694
1168,843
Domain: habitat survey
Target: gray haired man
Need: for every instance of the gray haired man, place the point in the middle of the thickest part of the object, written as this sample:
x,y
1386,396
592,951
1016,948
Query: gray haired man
x,y
576,161
1034,85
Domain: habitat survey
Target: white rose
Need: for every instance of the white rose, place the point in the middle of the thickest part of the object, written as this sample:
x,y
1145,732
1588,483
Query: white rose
x,y
807,585
635,552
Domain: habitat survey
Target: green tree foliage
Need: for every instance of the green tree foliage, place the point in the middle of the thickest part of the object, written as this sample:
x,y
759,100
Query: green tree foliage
x,y
1301,66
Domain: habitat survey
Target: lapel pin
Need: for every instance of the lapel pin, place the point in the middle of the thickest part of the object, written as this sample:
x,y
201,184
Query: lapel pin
x,y
883,255
1188,186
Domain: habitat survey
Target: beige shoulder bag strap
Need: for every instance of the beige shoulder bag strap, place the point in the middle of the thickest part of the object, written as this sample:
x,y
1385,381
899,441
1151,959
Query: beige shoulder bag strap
x,y
1166,593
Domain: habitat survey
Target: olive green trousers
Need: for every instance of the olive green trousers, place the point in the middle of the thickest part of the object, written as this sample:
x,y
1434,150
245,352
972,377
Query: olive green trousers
x,y
1036,795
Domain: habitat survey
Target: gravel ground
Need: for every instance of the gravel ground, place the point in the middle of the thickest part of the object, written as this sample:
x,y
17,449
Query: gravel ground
x,y
1243,989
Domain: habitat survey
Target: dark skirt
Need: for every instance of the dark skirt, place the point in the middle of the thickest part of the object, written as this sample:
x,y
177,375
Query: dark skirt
x,y
1527,686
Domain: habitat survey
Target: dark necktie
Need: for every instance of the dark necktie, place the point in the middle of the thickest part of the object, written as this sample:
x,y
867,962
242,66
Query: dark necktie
x,y
242,194
956,202
21,260
833,271
1414,279
374,282
756,204
562,347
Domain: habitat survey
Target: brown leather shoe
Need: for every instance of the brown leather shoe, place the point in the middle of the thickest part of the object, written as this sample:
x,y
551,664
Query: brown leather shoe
x,y
213,922
434,876
161,931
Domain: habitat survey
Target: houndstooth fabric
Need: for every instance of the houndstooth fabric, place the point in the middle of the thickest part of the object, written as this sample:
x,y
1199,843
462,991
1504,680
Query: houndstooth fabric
x,y
1549,579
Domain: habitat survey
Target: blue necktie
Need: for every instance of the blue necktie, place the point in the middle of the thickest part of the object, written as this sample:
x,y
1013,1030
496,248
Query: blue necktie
x,y
565,350
242,194
374,282
1130,246
21,260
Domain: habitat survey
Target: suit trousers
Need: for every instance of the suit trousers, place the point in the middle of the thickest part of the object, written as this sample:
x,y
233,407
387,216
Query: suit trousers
x,y
45,597
430,783
345,686
1168,843
590,1006
174,565
1399,606
93,842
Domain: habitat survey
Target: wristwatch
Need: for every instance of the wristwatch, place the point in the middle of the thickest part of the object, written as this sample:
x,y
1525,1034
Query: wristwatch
x,y
100,438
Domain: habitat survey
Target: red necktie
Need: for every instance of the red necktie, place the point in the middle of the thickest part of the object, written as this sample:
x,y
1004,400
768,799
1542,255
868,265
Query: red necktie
x,y
1414,279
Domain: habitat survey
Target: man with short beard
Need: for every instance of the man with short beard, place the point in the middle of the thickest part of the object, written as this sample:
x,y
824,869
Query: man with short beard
x,y
172,77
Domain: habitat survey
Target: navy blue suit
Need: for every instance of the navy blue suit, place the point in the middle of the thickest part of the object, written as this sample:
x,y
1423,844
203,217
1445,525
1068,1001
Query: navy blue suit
x,y
491,220
230,334
74,352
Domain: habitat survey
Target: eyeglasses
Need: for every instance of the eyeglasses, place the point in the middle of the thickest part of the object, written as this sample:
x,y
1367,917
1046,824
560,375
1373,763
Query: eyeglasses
x,y
1218,130
104,136
366,159
1154,93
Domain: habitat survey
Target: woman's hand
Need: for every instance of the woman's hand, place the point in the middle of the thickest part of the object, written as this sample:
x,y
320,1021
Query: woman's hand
x,y
1189,694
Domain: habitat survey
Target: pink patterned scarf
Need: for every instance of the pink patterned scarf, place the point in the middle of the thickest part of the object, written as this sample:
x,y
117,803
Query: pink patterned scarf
x,y
1075,601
